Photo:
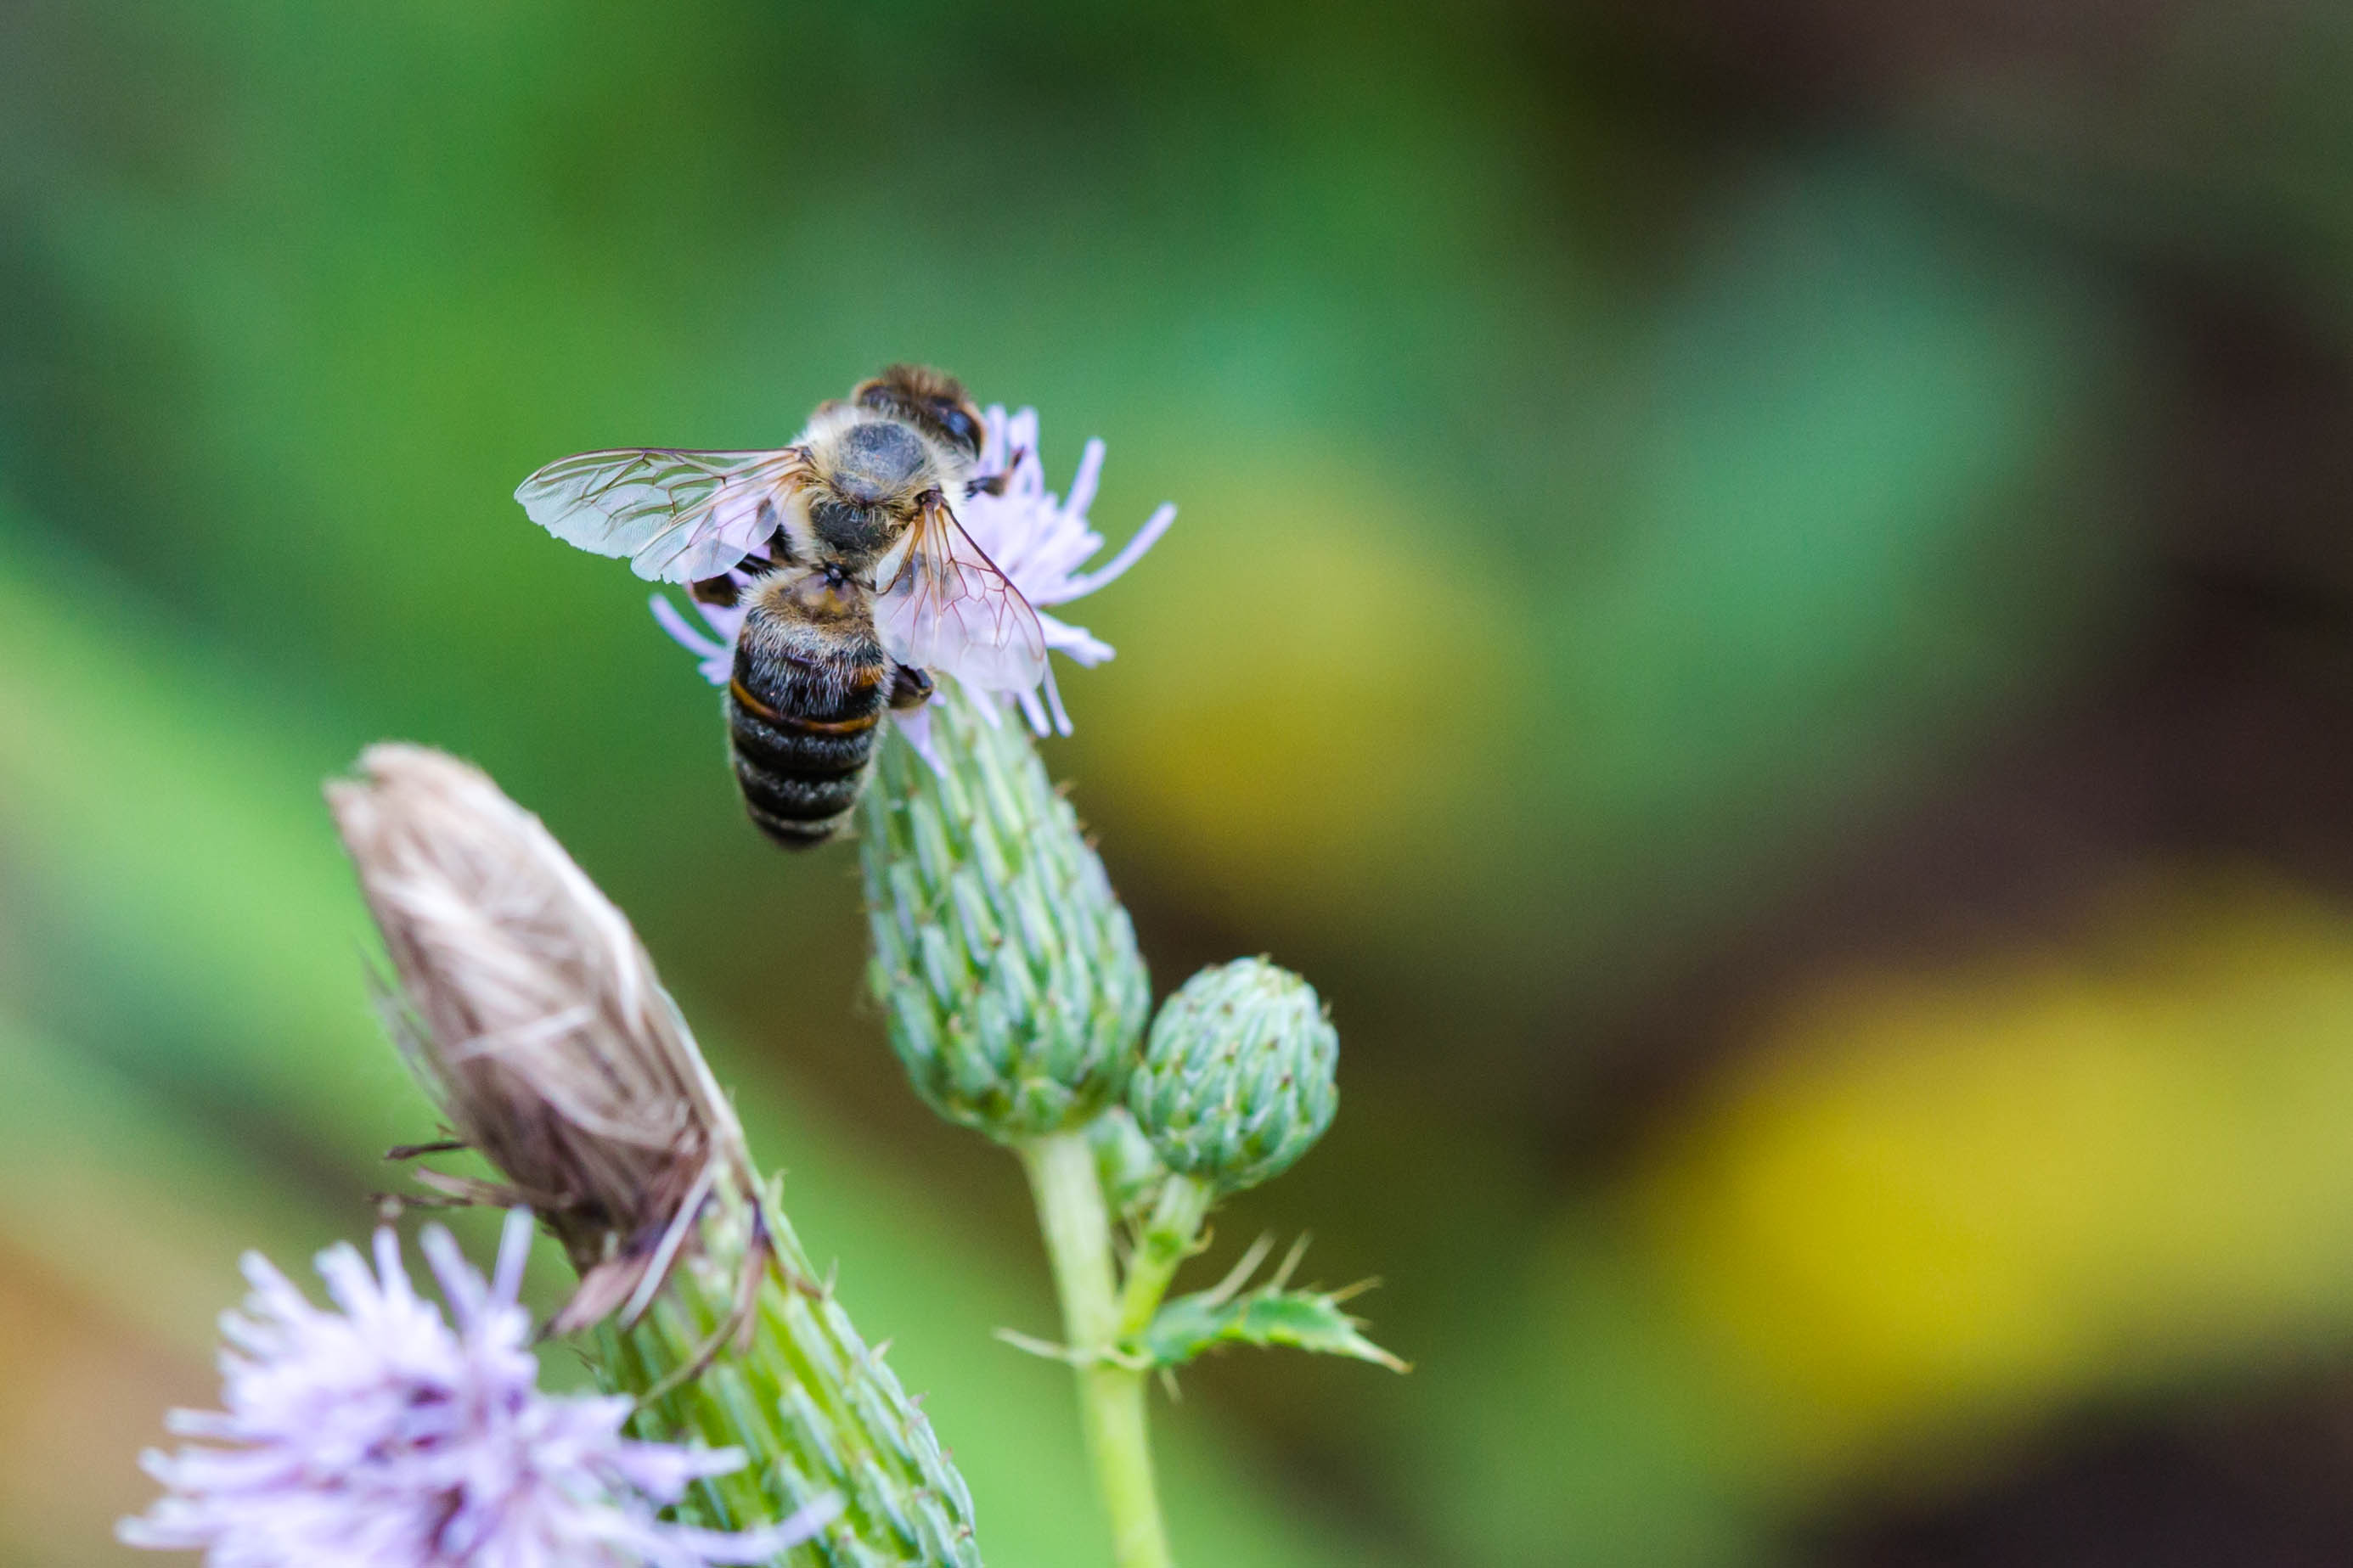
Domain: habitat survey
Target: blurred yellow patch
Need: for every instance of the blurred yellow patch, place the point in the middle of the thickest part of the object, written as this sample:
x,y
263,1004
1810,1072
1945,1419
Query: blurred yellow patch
x,y
1306,689
1938,1202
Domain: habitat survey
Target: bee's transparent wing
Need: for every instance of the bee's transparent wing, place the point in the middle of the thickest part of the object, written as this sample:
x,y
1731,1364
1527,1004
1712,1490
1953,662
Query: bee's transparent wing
x,y
951,609
677,516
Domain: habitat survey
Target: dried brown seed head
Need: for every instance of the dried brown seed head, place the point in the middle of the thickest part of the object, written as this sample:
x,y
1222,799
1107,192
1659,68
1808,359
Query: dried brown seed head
x,y
529,1009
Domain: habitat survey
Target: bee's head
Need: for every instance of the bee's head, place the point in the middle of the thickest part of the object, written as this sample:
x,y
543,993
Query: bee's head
x,y
930,399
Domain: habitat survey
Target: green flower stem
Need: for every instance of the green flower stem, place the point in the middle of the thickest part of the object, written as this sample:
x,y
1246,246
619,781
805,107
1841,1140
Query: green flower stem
x,y
814,1409
1077,1229
1166,1242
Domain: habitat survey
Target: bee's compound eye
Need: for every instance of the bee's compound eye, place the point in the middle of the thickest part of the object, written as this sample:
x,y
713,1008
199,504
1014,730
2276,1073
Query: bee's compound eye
x,y
959,425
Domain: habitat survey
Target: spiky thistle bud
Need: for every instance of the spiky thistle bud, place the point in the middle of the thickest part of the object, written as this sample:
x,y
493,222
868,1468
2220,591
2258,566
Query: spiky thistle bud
x,y
1237,1082
1006,965
530,1012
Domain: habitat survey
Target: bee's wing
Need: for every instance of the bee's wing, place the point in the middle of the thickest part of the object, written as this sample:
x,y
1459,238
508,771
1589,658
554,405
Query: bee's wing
x,y
950,608
677,516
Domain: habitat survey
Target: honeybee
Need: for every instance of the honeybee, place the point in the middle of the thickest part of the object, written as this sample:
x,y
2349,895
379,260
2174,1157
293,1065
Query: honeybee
x,y
868,488
856,576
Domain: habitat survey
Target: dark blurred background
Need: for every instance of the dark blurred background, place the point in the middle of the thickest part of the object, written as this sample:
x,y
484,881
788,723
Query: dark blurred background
x,y
1762,602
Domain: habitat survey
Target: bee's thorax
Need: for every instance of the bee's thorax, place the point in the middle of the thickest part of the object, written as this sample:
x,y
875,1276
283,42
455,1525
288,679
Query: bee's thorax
x,y
851,534
872,467
876,460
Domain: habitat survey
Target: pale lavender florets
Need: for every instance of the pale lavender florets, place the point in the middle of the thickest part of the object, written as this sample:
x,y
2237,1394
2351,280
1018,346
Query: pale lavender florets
x,y
1039,541
377,1436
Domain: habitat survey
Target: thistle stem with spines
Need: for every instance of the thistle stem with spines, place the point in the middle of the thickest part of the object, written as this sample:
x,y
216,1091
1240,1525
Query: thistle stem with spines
x,y
1077,1231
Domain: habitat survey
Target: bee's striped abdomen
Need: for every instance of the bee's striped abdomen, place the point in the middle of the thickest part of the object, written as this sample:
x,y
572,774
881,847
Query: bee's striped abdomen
x,y
803,724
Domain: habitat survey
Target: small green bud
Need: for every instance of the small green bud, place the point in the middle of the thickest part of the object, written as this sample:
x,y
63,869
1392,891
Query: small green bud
x,y
1237,1082
1006,965
1125,1162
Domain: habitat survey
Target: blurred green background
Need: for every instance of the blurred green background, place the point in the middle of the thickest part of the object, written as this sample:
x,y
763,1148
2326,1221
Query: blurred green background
x,y
1762,602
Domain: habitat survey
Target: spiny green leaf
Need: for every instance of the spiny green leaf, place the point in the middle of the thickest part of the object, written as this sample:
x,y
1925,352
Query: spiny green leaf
x,y
1311,1319
1269,1315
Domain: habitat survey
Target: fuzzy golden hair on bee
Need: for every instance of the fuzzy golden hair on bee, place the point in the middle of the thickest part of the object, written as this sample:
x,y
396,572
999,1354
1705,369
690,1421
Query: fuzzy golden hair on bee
x,y
823,629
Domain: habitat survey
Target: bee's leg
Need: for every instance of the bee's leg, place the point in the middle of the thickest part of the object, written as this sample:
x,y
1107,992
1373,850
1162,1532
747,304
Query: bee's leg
x,y
909,686
404,1151
994,484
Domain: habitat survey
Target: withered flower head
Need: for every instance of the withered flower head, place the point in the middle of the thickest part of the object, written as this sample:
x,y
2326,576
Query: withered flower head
x,y
528,1008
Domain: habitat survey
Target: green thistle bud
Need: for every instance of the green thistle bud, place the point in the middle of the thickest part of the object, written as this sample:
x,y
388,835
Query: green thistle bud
x,y
1006,968
1125,1162
1238,1081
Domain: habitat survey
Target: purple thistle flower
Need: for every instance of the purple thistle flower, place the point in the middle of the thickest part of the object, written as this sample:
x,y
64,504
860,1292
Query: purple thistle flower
x,y
378,1436
1039,541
